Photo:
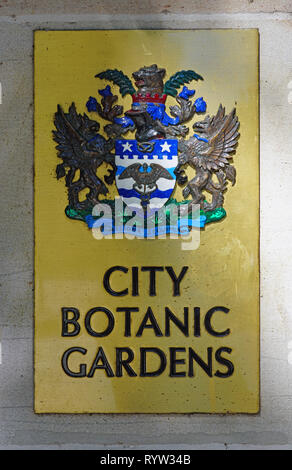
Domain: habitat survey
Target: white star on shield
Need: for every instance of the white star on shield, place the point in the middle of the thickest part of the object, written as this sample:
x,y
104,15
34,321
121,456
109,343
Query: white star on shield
x,y
127,146
165,147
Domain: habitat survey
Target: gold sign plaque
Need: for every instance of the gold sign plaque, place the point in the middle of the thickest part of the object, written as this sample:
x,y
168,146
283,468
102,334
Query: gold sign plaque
x,y
146,325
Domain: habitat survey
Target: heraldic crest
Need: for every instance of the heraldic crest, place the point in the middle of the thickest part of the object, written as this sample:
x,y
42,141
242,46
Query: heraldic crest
x,y
147,168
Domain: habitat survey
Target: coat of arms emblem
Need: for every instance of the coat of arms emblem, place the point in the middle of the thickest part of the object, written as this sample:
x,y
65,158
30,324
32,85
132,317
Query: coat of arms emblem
x,y
147,148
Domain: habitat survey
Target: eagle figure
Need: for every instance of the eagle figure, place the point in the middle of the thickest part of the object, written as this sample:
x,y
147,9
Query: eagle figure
x,y
145,176
209,152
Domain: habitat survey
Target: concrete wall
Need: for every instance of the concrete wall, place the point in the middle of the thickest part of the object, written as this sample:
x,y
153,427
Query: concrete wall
x,y
19,427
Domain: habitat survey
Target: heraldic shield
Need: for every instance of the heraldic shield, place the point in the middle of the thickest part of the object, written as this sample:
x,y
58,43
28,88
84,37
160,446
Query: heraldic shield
x,y
145,175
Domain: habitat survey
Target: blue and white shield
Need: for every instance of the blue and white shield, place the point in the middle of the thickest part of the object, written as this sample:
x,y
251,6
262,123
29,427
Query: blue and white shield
x,y
145,172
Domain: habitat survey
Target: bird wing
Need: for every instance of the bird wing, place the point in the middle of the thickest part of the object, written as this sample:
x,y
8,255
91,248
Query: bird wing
x,y
66,135
72,145
132,171
158,171
222,137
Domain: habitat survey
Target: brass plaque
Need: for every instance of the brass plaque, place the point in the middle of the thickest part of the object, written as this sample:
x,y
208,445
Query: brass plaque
x,y
130,126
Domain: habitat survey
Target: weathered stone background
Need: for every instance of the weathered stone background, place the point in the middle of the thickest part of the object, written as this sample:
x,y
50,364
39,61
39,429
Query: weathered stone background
x,y
19,427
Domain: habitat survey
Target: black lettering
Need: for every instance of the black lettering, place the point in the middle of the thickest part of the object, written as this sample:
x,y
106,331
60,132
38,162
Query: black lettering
x,y
153,324
135,285
143,362
197,321
152,280
207,367
82,367
176,280
184,327
127,311
225,362
106,281
120,362
208,325
100,356
111,322
174,361
72,321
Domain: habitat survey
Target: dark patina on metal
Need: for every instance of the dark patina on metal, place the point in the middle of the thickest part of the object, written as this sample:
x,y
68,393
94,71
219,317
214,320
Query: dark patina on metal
x,y
209,151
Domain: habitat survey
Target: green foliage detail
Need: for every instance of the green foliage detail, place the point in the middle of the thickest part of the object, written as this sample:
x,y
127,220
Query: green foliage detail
x,y
178,79
118,78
